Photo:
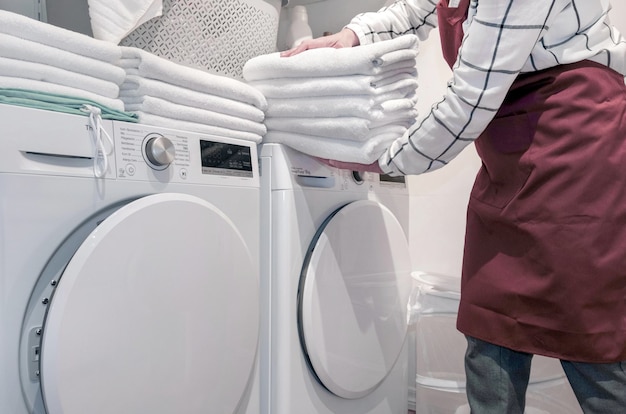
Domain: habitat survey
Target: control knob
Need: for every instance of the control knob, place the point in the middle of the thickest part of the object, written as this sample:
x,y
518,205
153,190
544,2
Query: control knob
x,y
358,177
160,151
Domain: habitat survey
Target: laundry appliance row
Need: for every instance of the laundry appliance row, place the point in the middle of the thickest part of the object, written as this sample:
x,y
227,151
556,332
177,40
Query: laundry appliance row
x,y
166,271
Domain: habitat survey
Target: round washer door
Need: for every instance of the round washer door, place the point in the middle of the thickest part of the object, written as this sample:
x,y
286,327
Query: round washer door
x,y
156,312
354,291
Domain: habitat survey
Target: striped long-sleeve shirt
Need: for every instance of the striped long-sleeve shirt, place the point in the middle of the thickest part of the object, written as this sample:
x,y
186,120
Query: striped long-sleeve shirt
x,y
503,38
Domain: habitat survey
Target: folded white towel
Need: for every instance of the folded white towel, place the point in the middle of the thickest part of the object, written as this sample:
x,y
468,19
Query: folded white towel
x,y
112,20
20,49
151,66
347,82
160,107
57,37
396,57
165,122
135,88
45,73
127,62
333,86
363,106
365,152
403,118
364,60
39,86
347,128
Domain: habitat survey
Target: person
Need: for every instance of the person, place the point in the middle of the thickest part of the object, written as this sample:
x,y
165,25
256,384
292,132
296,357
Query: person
x,y
538,87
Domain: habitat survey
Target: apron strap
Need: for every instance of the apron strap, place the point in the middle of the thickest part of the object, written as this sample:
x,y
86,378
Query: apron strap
x,y
451,28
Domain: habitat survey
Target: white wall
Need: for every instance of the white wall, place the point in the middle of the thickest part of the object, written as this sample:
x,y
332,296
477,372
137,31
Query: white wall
x,y
618,15
30,8
439,198
69,14
326,16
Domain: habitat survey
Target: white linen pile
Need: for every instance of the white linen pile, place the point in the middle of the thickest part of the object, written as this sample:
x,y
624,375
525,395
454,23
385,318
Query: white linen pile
x,y
168,94
344,104
37,56
112,20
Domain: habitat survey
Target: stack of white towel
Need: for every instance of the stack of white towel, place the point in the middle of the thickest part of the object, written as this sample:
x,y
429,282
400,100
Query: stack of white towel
x,y
112,20
344,104
36,56
168,94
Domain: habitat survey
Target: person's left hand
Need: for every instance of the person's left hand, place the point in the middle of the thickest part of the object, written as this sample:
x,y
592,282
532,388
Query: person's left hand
x,y
345,38
352,166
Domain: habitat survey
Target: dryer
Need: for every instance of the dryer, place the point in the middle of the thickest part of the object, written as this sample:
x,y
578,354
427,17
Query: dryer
x,y
136,292
335,285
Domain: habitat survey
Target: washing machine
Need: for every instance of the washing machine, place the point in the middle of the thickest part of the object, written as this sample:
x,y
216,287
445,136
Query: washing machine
x,y
335,284
129,269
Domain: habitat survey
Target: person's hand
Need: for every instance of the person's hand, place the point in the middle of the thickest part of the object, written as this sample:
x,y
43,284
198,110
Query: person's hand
x,y
345,38
352,166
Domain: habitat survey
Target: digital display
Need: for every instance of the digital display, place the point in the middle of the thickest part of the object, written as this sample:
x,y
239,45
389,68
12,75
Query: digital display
x,y
389,179
219,158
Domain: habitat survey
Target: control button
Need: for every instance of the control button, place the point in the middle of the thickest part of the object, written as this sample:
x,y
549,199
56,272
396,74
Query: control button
x,y
160,151
183,173
130,169
358,177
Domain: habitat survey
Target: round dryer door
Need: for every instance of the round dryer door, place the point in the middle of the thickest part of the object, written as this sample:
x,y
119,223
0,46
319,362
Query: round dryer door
x,y
354,291
156,312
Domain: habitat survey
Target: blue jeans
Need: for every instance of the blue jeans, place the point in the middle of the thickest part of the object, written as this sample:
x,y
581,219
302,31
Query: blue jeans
x,y
497,379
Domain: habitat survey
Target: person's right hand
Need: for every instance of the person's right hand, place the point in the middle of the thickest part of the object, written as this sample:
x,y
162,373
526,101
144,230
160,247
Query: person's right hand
x,y
345,38
352,166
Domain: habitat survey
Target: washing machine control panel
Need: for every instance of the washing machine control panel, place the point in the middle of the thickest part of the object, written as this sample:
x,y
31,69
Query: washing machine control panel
x,y
307,172
148,153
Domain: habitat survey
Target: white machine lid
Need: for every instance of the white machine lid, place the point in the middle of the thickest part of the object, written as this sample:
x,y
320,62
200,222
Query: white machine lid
x,y
354,291
157,312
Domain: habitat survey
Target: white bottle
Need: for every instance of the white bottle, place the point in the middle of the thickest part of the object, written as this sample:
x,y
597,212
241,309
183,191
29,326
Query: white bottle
x,y
299,28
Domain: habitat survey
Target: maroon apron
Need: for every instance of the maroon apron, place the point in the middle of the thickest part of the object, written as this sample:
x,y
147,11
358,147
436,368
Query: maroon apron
x,y
544,268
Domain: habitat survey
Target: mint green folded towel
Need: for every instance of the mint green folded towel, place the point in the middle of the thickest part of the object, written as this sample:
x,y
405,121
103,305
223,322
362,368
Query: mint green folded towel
x,y
60,103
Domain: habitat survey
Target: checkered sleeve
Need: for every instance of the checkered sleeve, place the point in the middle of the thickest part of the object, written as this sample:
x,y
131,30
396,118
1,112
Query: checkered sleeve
x,y
416,17
502,39
498,41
